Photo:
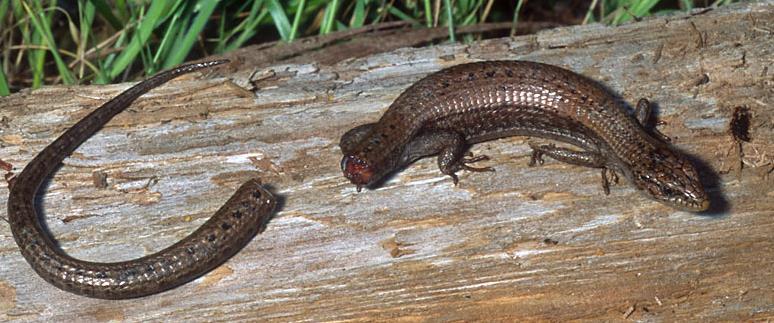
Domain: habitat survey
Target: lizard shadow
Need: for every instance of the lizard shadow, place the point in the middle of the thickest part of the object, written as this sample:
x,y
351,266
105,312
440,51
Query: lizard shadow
x,y
719,204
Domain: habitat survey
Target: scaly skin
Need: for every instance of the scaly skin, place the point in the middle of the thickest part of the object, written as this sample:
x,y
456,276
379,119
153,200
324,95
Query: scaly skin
x,y
222,236
449,110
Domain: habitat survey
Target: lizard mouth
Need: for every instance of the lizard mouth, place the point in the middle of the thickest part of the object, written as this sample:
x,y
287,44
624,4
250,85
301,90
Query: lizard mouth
x,y
357,170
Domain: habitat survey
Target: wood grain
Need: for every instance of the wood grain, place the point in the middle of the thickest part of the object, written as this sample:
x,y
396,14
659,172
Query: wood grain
x,y
521,243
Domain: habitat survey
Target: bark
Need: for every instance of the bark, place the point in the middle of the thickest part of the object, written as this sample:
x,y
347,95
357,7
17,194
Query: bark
x,y
522,243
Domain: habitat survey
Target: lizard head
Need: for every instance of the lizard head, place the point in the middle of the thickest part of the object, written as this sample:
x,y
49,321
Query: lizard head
x,y
671,179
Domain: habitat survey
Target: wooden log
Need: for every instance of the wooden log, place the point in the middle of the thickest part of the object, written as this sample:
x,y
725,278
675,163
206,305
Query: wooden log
x,y
521,243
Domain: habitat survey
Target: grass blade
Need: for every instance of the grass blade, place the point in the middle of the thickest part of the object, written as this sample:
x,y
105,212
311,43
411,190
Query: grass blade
x,y
515,21
280,19
428,13
450,19
184,44
633,9
43,28
246,29
148,23
168,45
105,12
686,5
86,13
590,13
297,20
402,15
358,15
4,89
329,18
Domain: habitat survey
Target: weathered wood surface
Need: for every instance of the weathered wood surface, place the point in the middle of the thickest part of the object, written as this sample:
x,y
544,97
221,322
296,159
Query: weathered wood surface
x,y
520,243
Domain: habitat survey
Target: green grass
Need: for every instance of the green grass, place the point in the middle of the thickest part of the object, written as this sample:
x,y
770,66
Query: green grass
x,y
107,41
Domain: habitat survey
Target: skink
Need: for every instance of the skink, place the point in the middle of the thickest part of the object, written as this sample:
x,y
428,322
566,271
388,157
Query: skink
x,y
447,111
222,236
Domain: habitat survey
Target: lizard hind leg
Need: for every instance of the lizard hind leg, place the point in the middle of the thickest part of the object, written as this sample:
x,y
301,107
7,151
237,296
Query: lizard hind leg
x,y
574,157
605,182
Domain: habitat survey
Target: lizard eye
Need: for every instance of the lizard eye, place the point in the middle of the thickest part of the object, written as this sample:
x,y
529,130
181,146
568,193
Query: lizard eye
x,y
667,191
